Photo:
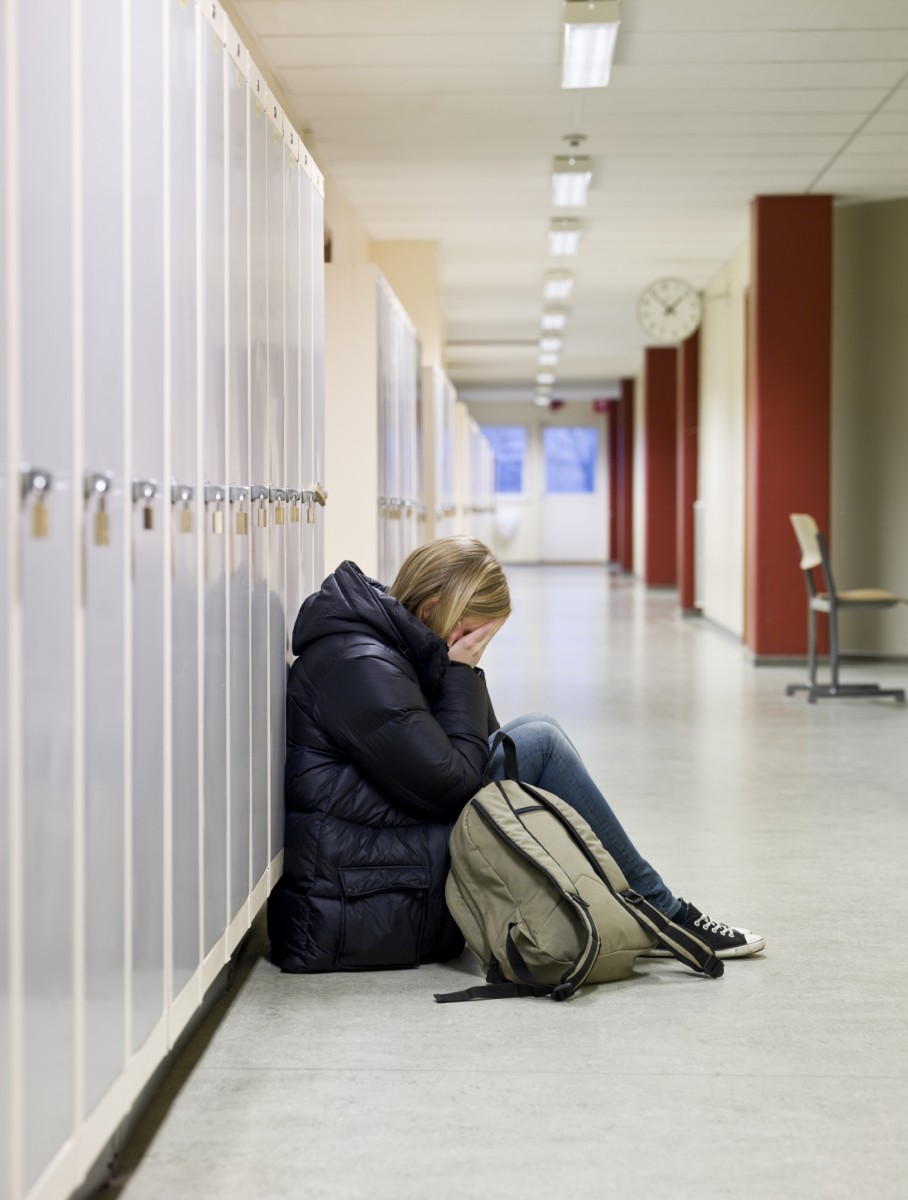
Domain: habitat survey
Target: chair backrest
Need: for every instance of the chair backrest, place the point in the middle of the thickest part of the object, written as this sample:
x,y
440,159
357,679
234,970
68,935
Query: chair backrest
x,y
808,534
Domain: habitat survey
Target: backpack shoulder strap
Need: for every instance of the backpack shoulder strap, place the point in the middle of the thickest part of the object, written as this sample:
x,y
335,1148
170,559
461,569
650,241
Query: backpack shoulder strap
x,y
687,948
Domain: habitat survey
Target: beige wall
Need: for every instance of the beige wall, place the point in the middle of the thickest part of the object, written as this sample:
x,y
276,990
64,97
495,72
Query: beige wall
x,y
869,503
720,473
412,270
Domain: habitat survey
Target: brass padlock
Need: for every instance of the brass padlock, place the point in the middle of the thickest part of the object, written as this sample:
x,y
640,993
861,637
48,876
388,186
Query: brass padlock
x,y
278,514
102,524
262,516
217,520
147,515
242,521
185,518
310,513
40,518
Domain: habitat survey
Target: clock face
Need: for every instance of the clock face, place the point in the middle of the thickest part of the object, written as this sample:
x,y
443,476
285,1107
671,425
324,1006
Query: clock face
x,y
669,310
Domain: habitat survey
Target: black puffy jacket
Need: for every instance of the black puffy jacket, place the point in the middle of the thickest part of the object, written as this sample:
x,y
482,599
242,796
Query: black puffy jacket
x,y
386,741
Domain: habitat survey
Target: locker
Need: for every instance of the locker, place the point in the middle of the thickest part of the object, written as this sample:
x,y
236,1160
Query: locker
x,y
317,276
6,799
44,196
308,474
292,474
106,502
148,509
239,528
437,408
213,64
186,515
260,133
277,475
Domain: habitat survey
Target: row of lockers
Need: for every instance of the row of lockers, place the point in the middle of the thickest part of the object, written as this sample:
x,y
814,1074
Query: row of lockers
x,y
161,492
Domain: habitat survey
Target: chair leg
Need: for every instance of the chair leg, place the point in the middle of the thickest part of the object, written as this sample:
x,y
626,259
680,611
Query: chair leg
x,y
834,646
812,645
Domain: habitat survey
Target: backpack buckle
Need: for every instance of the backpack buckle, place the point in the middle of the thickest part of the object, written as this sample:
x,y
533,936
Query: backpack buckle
x,y
563,991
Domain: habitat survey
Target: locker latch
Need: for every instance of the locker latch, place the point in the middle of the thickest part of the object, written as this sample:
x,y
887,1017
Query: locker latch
x,y
314,494
99,484
278,498
215,495
238,496
181,493
36,487
258,492
144,492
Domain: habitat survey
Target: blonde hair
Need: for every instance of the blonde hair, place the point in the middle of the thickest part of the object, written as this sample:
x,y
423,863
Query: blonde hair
x,y
442,581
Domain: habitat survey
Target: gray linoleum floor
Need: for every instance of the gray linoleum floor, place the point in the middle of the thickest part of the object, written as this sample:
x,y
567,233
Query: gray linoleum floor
x,y
787,1078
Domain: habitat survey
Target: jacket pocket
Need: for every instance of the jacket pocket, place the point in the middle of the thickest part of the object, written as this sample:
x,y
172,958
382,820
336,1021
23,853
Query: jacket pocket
x,y
384,911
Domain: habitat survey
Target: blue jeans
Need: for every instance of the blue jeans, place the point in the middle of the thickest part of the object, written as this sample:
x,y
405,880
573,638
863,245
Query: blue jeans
x,y
547,757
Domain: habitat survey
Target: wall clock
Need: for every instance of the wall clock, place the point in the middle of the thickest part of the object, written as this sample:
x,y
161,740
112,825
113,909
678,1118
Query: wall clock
x,y
669,309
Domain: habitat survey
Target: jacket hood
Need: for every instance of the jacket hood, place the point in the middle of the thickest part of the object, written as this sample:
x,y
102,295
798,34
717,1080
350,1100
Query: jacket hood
x,y
349,602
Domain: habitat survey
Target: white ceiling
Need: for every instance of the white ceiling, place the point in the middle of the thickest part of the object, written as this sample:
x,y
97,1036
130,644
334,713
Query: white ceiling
x,y
439,120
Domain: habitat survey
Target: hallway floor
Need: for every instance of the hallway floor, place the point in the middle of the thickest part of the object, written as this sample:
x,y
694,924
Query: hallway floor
x,y
784,1079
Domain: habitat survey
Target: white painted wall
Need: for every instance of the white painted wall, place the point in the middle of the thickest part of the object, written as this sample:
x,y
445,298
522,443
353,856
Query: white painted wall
x,y
720,475
869,546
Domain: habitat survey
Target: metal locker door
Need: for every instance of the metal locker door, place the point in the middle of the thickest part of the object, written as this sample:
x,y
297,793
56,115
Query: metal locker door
x,y
260,132
308,473
318,363
212,69
277,679
149,509
182,301
238,482
42,184
6,930
105,498
293,476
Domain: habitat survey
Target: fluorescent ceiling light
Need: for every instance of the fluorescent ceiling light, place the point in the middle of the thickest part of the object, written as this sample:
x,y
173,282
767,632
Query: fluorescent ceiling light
x,y
554,318
558,285
548,360
590,33
545,378
541,400
571,181
564,236
550,345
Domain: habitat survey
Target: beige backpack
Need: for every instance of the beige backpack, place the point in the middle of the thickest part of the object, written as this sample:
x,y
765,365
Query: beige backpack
x,y
541,902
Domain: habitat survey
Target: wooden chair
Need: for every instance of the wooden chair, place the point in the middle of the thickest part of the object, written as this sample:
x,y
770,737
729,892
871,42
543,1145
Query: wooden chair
x,y
813,555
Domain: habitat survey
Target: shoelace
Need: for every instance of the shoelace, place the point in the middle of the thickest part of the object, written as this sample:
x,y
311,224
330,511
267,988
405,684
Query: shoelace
x,y
711,926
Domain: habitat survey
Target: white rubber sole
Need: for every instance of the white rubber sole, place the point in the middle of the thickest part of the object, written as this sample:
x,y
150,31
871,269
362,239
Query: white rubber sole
x,y
753,947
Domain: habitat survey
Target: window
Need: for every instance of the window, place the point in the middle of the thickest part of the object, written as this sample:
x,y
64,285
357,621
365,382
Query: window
x,y
570,459
509,443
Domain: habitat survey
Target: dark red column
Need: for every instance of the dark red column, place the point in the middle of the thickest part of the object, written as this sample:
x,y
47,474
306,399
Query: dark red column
x,y
787,409
612,412
624,475
659,441
686,449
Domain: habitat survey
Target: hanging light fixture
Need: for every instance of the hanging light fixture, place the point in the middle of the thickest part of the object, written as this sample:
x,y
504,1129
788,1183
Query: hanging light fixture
x,y
571,177
564,236
545,378
548,360
550,345
590,33
558,285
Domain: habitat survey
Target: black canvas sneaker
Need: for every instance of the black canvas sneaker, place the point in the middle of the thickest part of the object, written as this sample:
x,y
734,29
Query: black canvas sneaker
x,y
725,941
